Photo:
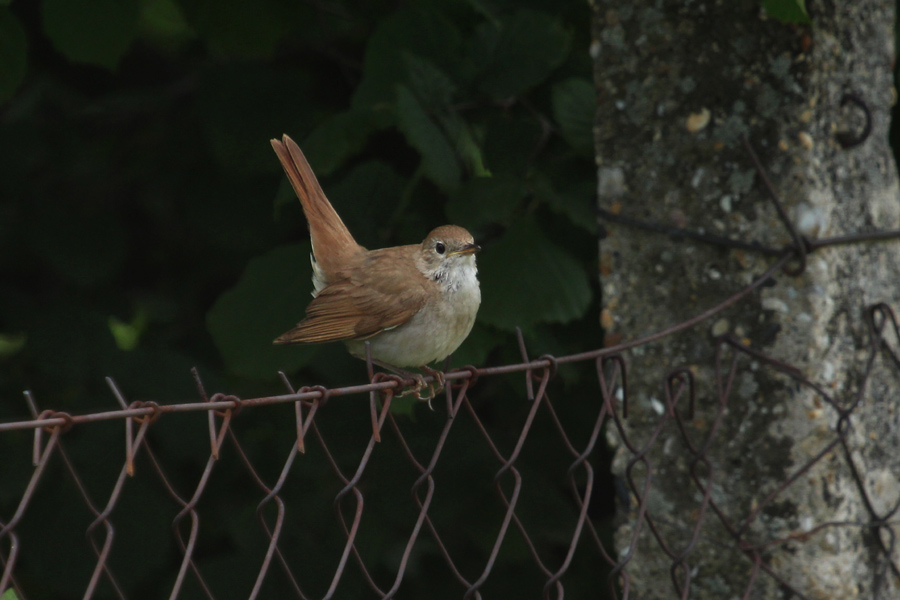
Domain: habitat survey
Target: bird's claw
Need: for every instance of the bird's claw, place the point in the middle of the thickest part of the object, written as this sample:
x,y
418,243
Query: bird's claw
x,y
421,384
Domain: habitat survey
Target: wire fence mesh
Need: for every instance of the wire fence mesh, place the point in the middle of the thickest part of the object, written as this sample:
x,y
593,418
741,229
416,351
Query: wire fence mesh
x,y
577,536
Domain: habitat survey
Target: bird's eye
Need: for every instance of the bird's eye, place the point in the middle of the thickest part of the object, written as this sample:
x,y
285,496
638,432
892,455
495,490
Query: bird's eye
x,y
440,248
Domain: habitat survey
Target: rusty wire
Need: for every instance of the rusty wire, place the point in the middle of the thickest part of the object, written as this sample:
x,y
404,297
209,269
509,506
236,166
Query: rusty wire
x,y
50,427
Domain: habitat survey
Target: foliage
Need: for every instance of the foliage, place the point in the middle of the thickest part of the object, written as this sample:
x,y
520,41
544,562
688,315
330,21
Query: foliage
x,y
787,11
146,226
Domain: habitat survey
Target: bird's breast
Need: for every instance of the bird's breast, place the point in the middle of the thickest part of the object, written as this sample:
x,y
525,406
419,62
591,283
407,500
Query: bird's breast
x,y
436,331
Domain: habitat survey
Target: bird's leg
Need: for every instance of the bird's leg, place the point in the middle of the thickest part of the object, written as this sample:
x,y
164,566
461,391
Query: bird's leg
x,y
438,379
420,383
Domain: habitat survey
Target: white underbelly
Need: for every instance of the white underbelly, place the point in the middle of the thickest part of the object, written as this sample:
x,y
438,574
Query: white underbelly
x,y
431,335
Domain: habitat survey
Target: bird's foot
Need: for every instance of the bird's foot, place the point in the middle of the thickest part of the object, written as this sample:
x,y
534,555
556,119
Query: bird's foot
x,y
434,388
418,385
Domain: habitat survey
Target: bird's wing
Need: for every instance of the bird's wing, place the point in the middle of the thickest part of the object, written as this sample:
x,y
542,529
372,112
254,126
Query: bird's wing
x,y
386,290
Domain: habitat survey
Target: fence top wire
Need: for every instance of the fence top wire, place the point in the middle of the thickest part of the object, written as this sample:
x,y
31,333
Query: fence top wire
x,y
50,426
139,409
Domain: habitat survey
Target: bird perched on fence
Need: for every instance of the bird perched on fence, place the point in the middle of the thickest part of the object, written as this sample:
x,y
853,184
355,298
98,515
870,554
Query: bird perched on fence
x,y
414,304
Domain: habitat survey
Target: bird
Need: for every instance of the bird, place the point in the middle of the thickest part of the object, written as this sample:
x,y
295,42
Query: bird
x,y
413,304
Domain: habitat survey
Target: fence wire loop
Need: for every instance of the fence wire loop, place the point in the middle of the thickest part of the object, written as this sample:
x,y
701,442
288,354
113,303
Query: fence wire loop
x,y
322,400
554,364
53,414
681,377
231,411
151,418
314,404
472,375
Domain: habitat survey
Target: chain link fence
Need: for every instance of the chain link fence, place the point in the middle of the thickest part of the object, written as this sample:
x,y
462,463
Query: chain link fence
x,y
581,534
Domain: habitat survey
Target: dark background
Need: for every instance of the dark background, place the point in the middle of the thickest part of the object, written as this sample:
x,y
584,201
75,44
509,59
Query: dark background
x,y
146,228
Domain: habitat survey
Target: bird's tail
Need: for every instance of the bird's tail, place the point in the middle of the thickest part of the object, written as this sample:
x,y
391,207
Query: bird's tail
x,y
333,245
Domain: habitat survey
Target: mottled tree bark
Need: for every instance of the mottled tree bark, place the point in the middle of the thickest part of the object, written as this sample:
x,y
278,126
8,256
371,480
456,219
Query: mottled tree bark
x,y
679,83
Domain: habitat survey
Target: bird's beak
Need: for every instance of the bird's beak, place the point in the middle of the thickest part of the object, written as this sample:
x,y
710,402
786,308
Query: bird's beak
x,y
467,249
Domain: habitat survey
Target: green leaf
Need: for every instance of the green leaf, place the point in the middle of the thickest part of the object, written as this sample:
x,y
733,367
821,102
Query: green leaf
x,y
9,594
365,197
475,349
526,279
163,21
511,142
483,200
577,201
431,85
787,11
518,54
336,139
269,299
128,335
574,109
69,343
85,250
438,158
13,55
239,27
97,32
463,139
243,106
420,33
11,344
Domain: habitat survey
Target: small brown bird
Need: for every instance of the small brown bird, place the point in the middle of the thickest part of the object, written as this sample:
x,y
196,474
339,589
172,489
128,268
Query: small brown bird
x,y
414,304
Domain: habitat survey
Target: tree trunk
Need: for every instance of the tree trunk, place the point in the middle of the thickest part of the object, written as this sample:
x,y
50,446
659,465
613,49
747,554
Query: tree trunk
x,y
796,485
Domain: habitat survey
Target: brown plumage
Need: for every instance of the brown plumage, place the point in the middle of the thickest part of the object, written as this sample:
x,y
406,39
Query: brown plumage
x,y
326,229
363,303
416,303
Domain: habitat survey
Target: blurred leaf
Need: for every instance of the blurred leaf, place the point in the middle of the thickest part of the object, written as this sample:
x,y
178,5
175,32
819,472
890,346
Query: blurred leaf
x,y
519,53
463,140
163,20
11,344
417,32
85,250
438,157
127,335
70,344
526,279
787,11
13,55
557,340
475,349
366,197
163,374
243,106
336,139
431,85
511,142
241,28
268,300
483,200
574,108
9,594
406,406
97,32
576,202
